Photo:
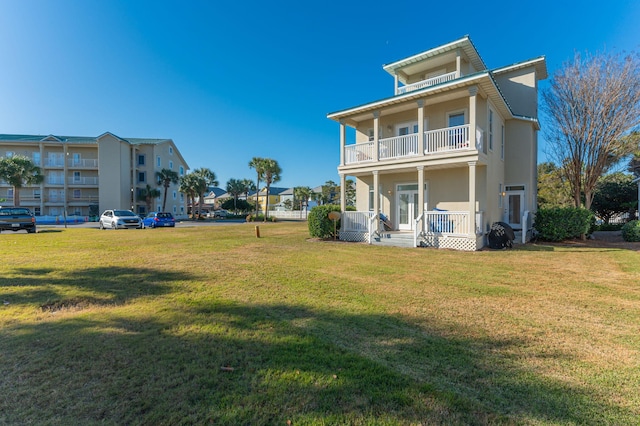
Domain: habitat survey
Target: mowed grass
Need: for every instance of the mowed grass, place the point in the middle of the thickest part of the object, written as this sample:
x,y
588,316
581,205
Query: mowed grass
x,y
210,325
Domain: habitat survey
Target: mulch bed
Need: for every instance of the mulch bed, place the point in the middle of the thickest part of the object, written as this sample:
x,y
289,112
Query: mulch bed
x,y
600,239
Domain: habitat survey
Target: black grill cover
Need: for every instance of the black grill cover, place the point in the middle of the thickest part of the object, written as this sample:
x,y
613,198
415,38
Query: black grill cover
x,y
501,236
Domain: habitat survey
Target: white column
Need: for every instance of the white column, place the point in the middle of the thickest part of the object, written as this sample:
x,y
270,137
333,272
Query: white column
x,y
473,92
421,126
420,190
458,70
395,87
376,135
343,192
343,137
472,199
376,197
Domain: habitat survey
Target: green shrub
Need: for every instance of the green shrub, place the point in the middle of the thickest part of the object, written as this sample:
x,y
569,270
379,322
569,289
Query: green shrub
x,y
609,227
320,226
563,223
631,231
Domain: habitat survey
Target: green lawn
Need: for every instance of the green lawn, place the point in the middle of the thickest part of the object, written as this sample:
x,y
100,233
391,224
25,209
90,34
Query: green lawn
x,y
210,325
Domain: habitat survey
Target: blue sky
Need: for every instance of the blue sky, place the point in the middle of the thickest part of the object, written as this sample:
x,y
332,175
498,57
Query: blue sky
x,y
228,81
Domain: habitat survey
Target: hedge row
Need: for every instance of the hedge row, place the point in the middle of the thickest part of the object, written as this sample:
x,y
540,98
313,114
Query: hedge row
x,y
320,226
631,231
557,224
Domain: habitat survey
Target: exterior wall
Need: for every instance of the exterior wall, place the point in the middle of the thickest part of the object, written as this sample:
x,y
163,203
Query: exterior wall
x,y
520,88
521,160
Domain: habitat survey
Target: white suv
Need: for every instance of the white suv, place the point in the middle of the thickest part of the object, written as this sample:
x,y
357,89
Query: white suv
x,y
115,219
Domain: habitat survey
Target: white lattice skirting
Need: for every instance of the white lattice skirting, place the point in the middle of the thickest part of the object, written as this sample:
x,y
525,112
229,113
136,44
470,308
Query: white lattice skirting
x,y
454,243
354,236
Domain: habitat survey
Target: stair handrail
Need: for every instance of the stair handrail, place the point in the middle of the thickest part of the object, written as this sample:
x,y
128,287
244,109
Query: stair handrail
x,y
373,219
418,231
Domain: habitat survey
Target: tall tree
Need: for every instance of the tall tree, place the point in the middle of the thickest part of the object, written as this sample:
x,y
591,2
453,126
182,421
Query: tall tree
x,y
205,178
301,195
147,195
591,103
553,188
235,187
271,174
18,171
165,178
350,192
189,186
257,163
615,194
248,187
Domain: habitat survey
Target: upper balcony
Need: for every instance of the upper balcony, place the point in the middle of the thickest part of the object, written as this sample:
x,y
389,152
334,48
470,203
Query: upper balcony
x,y
439,141
427,83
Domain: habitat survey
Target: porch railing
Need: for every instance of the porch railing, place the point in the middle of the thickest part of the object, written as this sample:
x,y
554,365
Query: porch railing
x,y
449,139
426,83
359,153
83,162
355,221
90,180
451,223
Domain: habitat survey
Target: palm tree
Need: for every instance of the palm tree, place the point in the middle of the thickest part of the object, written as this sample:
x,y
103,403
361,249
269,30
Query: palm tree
x,y
257,163
235,187
18,171
206,178
301,195
271,174
188,186
165,178
147,195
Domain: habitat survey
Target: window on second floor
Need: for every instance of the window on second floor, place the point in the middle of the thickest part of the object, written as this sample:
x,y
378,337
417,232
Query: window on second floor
x,y
141,159
175,195
170,150
490,129
170,165
36,158
181,171
142,177
77,193
158,161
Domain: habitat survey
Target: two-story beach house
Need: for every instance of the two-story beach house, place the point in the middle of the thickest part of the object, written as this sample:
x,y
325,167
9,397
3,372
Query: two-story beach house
x,y
452,151
83,176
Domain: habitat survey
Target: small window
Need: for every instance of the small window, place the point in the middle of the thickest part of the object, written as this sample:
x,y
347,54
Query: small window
x,y
142,177
36,194
170,165
171,150
502,145
10,193
36,158
181,171
175,195
175,210
76,177
76,159
141,159
36,211
77,194
158,161
490,130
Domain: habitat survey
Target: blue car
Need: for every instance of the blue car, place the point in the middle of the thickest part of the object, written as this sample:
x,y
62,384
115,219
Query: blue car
x,y
159,220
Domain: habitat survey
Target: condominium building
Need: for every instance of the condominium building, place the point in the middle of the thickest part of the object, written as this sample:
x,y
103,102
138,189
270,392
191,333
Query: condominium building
x,y
84,176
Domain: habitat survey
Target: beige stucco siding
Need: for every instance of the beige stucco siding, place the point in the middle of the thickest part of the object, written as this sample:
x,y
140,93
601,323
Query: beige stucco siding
x,y
521,91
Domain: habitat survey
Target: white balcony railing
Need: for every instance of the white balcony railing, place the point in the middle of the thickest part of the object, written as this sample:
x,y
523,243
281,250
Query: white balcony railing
x,y
82,180
83,162
438,141
355,221
426,83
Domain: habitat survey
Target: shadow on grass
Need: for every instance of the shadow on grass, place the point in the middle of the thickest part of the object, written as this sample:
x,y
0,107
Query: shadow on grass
x,y
52,289
281,362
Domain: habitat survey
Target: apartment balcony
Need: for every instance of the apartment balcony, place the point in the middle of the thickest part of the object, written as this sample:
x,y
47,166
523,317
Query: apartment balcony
x,y
439,141
426,83
54,162
83,181
84,163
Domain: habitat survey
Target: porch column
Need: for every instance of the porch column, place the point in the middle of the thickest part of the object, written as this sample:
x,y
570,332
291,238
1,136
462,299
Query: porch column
x,y
420,190
421,126
472,199
376,197
473,92
343,192
343,137
458,70
395,81
376,135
